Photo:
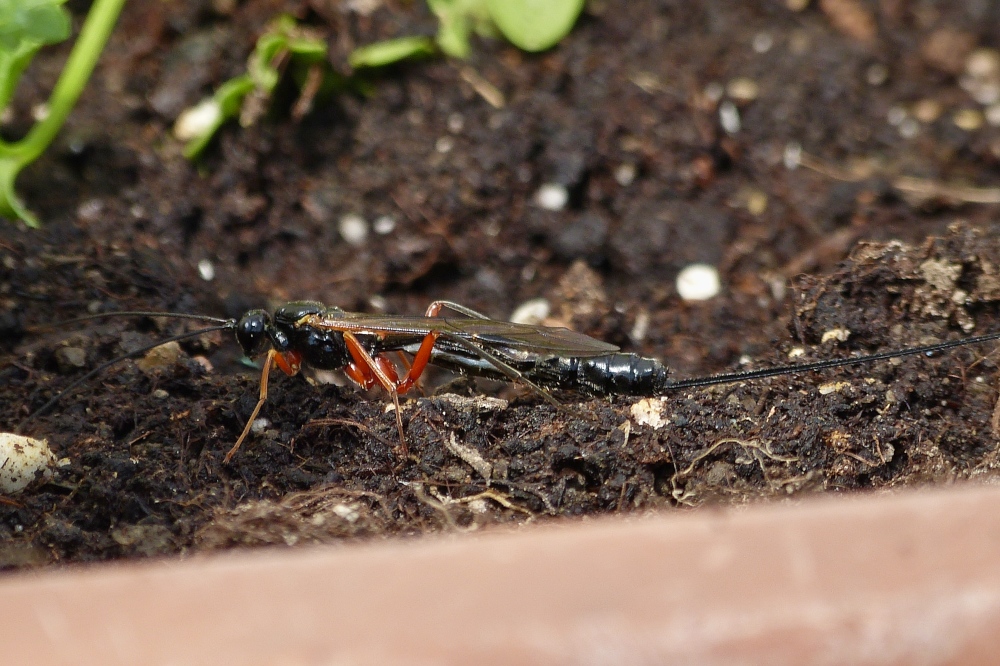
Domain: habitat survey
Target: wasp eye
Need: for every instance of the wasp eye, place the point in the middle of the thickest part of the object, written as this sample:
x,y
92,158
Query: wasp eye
x,y
251,332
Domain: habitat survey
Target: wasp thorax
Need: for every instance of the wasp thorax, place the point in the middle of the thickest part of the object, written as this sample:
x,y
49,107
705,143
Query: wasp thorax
x,y
251,331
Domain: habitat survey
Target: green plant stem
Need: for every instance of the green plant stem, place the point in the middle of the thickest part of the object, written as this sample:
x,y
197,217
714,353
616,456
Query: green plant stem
x,y
93,35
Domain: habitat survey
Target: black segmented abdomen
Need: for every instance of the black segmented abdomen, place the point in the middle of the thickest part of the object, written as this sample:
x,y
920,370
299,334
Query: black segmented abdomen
x,y
609,374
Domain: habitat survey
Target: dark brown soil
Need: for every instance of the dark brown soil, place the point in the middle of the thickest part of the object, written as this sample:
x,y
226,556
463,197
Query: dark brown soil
x,y
628,93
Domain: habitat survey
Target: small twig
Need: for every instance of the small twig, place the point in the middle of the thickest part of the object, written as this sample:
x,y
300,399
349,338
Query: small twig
x,y
484,88
748,446
931,189
496,497
470,456
319,423
921,188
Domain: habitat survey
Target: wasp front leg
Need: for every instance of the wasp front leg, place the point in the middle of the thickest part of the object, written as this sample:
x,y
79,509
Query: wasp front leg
x,y
290,363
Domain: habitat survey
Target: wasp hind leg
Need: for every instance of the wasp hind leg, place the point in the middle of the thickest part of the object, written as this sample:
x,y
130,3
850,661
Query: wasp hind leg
x,y
367,371
434,309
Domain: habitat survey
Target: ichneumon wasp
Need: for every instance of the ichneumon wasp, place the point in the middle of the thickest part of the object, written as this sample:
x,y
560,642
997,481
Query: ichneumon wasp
x,y
541,357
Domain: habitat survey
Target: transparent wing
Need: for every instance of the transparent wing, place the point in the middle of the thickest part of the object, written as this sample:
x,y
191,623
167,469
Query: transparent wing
x,y
400,331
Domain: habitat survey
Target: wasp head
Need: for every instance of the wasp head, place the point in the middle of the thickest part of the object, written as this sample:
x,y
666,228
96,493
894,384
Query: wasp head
x,y
252,331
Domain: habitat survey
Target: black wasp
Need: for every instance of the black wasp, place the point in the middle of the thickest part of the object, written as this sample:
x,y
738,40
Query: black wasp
x,y
540,357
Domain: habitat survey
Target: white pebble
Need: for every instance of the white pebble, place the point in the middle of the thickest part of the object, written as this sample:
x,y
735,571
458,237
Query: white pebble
x,y
983,63
714,91
792,156
206,269
729,117
993,115
39,112
649,412
641,326
90,210
552,196
762,42
625,174
698,282
839,334
348,513
195,122
444,144
968,119
877,74
909,128
353,229
22,461
384,225
743,90
531,312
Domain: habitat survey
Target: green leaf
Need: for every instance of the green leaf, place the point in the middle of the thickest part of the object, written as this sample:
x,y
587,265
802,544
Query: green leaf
x,y
454,27
26,26
38,21
284,36
199,124
230,95
308,49
453,37
12,64
535,25
458,19
246,96
391,51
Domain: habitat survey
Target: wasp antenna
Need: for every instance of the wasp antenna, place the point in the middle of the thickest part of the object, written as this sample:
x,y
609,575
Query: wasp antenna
x,y
226,323
795,368
229,324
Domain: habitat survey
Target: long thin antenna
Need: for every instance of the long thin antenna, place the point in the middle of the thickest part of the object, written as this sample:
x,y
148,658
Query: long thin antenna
x,y
229,324
795,368
132,313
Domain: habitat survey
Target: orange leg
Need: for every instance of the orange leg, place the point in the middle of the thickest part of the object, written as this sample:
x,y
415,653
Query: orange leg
x,y
366,371
289,362
371,370
387,367
360,375
420,361
271,355
434,309
405,360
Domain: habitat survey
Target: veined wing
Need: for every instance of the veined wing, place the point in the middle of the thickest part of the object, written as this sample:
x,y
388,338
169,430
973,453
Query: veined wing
x,y
546,340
